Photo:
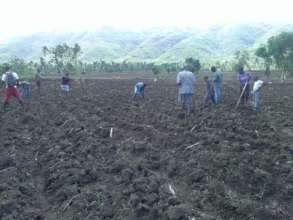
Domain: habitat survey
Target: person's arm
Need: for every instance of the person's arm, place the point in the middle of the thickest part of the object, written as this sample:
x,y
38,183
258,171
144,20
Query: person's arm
x,y
194,80
17,78
263,84
238,76
3,79
178,81
214,77
248,78
3,84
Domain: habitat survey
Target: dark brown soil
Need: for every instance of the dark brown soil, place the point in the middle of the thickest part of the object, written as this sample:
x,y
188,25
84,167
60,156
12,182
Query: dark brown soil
x,y
58,160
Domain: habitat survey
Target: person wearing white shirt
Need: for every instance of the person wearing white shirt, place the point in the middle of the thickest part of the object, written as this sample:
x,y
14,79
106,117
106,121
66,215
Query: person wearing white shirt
x,y
256,98
186,82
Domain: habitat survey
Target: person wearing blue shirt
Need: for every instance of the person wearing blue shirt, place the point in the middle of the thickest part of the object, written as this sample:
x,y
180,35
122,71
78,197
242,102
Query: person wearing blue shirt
x,y
139,89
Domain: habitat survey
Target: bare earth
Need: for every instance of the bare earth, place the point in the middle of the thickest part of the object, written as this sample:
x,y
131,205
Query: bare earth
x,y
58,160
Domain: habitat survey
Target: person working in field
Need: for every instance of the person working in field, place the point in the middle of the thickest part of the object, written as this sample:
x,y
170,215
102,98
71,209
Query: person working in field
x,y
25,89
186,82
209,92
244,80
217,77
256,98
11,81
38,80
65,83
139,89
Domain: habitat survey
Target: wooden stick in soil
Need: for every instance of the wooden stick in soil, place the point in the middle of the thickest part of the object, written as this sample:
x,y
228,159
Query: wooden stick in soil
x,y
191,146
172,191
191,130
242,93
69,203
111,132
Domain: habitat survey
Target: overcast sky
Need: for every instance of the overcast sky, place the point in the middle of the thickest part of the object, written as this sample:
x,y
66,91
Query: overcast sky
x,y
22,17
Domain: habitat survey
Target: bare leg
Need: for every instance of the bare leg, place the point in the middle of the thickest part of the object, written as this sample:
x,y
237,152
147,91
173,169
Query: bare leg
x,y
20,101
188,109
5,105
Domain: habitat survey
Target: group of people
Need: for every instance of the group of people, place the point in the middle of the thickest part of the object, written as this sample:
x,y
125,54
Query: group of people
x,y
186,82
17,89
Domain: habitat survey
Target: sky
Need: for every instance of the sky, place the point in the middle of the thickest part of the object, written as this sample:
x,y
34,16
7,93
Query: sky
x,y
24,17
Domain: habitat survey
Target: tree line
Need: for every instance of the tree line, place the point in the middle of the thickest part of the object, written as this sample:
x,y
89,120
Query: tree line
x,y
275,54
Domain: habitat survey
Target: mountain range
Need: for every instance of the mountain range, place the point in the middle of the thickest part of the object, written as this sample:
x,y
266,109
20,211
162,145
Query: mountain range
x,y
164,44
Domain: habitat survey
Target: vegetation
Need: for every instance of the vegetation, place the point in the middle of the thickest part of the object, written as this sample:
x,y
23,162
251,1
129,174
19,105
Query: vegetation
x,y
20,66
242,59
156,45
156,70
193,64
264,53
62,57
278,51
271,53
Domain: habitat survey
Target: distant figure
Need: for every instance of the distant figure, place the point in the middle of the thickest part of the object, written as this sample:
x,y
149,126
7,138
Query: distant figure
x,y
217,77
139,89
11,81
38,80
65,83
186,82
244,80
209,92
256,98
25,89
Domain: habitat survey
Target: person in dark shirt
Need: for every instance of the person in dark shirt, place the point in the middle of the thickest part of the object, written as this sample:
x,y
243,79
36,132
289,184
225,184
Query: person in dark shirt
x,y
65,83
209,92
38,80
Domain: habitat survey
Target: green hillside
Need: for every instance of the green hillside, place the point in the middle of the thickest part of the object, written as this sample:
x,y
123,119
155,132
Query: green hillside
x,y
152,45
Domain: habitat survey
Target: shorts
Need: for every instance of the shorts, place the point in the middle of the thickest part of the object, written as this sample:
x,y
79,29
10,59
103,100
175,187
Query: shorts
x,y
65,88
11,91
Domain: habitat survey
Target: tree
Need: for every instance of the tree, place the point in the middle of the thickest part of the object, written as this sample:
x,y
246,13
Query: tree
x,y
62,56
264,53
156,70
194,64
281,49
21,66
242,59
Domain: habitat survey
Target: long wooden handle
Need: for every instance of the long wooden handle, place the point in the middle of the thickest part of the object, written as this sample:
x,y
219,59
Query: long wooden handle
x,y
243,90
